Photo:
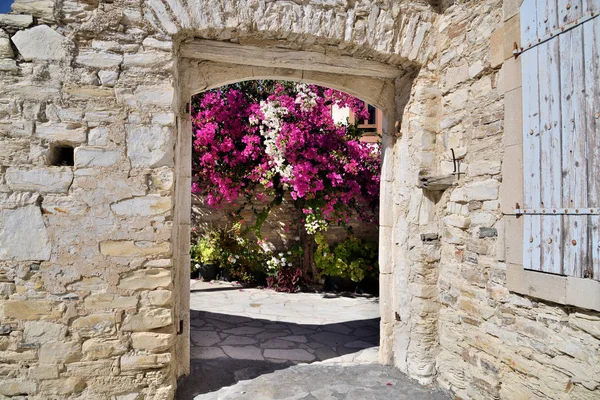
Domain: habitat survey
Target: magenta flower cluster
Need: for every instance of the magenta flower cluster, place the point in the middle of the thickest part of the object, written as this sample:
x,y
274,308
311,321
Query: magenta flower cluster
x,y
287,141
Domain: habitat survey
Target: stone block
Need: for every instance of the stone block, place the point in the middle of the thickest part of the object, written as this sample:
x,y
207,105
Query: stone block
x,y
108,78
144,206
511,190
161,179
457,221
62,132
513,117
42,332
28,310
481,191
59,352
98,60
512,35
510,8
455,76
43,10
484,167
6,50
536,284
147,319
511,75
63,387
149,147
95,157
42,43
162,95
94,325
39,179
92,284
89,369
14,21
144,361
584,293
98,136
145,279
158,298
110,301
152,342
497,47
129,248
17,387
23,235
96,349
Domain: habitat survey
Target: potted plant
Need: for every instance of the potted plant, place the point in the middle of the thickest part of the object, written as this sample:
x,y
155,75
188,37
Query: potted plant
x,y
203,257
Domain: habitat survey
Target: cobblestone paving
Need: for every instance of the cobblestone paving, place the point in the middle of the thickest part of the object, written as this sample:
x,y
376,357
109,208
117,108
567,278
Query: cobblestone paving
x,y
239,334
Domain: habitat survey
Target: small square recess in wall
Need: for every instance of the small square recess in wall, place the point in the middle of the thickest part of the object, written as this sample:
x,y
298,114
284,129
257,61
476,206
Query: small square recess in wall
x,y
61,156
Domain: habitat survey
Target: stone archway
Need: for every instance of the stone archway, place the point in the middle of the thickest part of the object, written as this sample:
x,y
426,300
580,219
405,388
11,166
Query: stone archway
x,y
212,64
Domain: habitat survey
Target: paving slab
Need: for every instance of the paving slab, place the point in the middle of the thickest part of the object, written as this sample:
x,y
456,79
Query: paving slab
x,y
324,381
249,334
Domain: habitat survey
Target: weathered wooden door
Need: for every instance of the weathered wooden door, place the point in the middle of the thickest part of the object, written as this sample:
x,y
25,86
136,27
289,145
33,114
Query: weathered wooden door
x,y
560,57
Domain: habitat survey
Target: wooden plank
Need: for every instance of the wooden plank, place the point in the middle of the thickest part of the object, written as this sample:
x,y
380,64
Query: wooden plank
x,y
283,58
530,122
574,163
531,150
591,51
550,140
569,10
528,13
590,6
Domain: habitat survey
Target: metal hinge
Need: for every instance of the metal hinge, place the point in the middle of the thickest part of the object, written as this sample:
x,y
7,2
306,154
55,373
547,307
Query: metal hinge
x,y
565,28
557,211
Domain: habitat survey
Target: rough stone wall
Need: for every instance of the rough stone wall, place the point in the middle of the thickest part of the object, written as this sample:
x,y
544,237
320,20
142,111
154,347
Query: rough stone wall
x,y
88,301
491,343
88,306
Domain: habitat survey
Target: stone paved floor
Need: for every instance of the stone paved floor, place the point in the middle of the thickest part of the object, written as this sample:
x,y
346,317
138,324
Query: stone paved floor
x,y
329,382
240,334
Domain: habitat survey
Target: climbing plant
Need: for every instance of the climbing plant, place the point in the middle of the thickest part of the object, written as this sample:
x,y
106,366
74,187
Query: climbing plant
x,y
258,140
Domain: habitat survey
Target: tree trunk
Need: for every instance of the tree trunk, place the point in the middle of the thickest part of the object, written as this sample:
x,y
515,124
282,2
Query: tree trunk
x,y
307,241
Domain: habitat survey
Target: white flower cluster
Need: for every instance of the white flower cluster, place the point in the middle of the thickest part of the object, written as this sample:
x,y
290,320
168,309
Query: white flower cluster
x,y
279,261
314,225
306,98
270,129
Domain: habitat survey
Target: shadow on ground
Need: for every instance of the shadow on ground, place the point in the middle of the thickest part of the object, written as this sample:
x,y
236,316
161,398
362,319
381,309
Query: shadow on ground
x,y
227,348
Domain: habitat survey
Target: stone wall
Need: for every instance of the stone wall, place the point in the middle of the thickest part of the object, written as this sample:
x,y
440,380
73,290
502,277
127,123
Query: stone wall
x,y
279,229
92,256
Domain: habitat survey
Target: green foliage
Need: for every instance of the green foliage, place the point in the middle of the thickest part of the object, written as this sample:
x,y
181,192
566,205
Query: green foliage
x,y
204,251
352,258
234,250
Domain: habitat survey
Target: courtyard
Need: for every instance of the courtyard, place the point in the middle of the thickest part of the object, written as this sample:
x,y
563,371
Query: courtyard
x,y
249,343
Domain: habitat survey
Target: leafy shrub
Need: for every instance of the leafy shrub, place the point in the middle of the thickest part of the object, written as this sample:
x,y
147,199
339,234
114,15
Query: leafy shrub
x,y
235,251
286,280
352,258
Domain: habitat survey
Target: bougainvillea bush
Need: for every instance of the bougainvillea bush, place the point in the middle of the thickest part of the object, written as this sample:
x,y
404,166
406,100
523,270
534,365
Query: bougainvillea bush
x,y
259,140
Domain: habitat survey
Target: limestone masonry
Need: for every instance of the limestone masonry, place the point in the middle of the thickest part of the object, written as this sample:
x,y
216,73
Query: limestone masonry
x,y
95,204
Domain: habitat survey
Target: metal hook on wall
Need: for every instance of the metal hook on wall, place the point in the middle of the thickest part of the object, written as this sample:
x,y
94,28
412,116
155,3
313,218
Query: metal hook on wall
x,y
456,164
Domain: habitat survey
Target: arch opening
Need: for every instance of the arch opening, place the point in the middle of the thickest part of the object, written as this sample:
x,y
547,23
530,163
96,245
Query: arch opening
x,y
195,76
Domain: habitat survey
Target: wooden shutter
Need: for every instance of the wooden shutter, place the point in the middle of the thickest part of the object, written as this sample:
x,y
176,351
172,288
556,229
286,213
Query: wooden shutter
x,y
560,42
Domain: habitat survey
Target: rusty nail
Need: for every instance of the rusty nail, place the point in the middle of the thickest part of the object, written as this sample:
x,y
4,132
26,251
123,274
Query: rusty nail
x,y
534,211
530,240
531,132
568,6
549,240
554,211
577,210
574,242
